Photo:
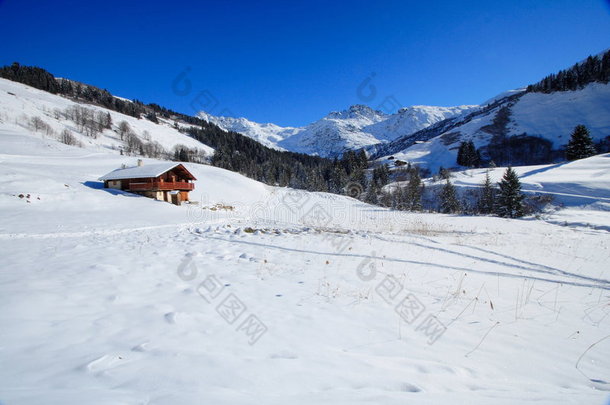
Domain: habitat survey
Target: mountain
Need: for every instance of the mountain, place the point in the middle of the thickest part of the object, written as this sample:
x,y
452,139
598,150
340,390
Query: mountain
x,y
525,126
412,119
357,127
336,133
267,134
522,126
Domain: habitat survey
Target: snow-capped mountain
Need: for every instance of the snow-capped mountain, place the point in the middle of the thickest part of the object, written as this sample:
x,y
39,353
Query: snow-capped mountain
x,y
541,122
525,126
412,119
337,132
268,134
354,128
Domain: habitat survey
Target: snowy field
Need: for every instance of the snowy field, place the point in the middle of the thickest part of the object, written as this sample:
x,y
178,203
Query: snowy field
x,y
266,295
580,190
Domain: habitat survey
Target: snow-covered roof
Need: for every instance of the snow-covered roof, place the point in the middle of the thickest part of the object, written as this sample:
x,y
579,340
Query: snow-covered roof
x,y
138,172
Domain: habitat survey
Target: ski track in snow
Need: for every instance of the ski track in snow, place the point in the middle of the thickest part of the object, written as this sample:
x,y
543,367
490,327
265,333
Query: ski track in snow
x,y
524,270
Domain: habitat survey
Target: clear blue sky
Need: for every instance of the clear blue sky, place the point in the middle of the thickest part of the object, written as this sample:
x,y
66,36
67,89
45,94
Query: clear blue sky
x,y
292,62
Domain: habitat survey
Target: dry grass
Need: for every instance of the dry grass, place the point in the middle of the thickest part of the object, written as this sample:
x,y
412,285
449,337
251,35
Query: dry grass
x,y
420,227
220,207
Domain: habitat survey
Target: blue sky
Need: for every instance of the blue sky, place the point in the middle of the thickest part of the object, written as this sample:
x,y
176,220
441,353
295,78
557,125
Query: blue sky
x,y
293,62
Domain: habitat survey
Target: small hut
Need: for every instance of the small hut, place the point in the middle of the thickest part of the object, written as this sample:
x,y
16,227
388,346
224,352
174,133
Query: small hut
x,y
169,182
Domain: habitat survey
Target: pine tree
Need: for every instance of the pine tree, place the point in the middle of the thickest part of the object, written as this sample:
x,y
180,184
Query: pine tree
x,y
371,195
468,155
460,155
381,176
593,69
448,198
362,159
510,199
385,199
337,179
358,176
581,145
399,199
487,196
413,193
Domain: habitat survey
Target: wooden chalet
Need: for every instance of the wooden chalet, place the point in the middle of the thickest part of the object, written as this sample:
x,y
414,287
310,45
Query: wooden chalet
x,y
169,182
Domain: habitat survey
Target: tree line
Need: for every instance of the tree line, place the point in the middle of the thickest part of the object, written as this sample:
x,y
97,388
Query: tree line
x,y
239,153
580,146
593,69
503,199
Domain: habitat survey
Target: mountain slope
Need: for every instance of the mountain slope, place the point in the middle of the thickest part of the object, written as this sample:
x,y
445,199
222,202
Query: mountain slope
x,y
268,134
409,120
354,128
337,132
21,104
525,126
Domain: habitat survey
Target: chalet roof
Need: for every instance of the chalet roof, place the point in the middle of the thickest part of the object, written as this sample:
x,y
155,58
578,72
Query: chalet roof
x,y
139,172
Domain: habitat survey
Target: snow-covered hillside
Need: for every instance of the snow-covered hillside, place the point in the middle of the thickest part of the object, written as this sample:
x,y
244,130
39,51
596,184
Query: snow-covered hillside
x,y
337,132
551,116
354,128
269,295
411,119
21,104
579,191
268,134
554,116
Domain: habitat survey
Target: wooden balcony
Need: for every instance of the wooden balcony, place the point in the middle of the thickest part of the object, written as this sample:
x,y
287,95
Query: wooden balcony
x,y
162,185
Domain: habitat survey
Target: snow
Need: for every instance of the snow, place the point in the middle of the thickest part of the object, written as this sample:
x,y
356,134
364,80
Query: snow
x,y
103,303
138,172
550,116
580,189
554,116
354,128
268,134
409,120
19,103
503,95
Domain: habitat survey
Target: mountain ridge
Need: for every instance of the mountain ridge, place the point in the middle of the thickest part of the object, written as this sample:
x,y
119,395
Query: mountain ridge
x,y
356,127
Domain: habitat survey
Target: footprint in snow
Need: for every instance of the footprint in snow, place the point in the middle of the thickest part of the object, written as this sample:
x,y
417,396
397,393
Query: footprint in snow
x,y
410,388
170,317
284,355
142,347
104,363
